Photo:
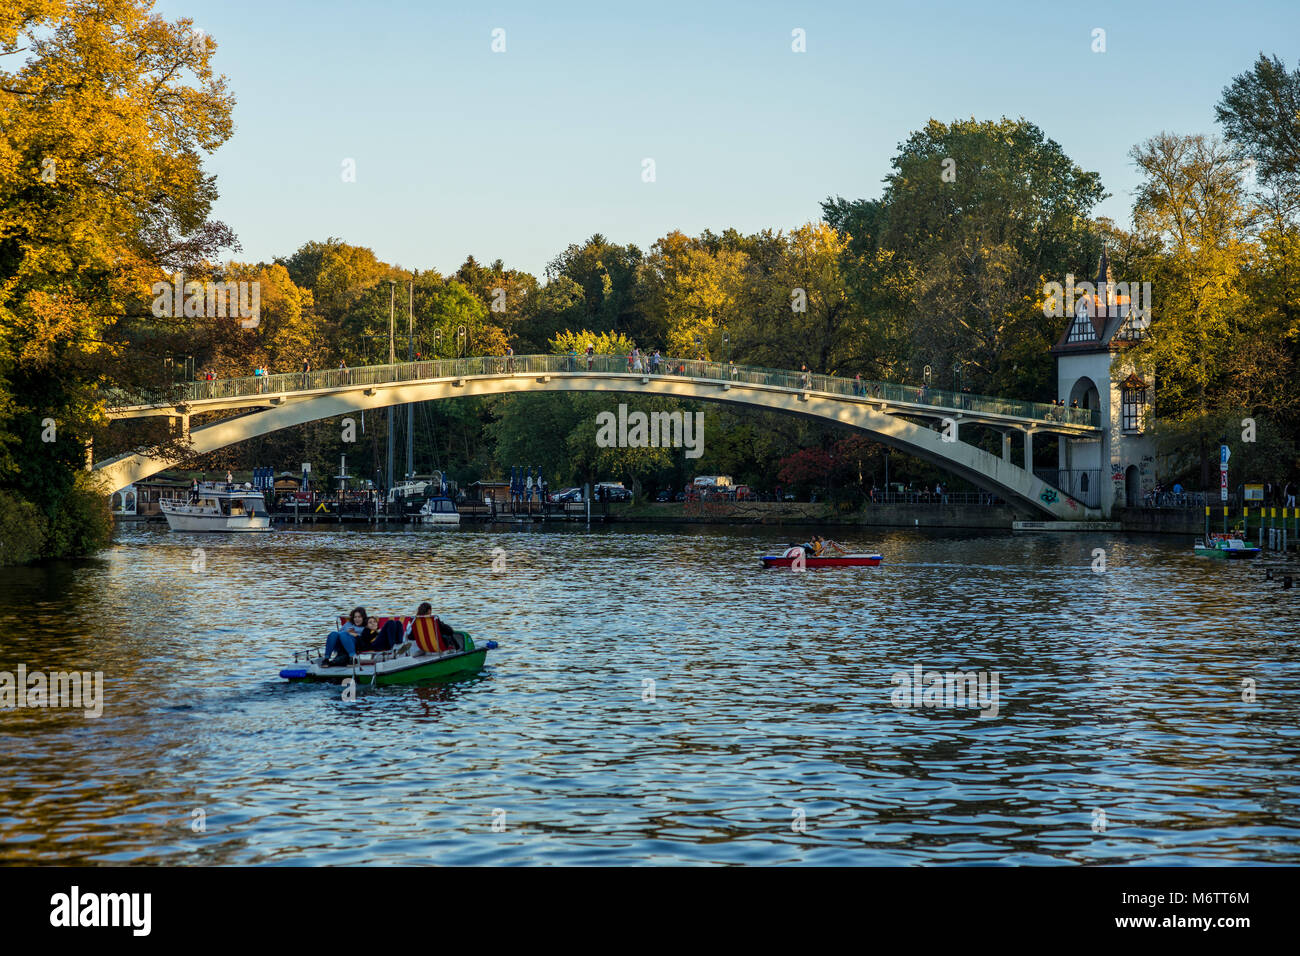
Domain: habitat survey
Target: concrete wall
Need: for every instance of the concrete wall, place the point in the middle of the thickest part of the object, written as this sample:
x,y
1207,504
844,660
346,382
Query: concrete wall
x,y
1189,522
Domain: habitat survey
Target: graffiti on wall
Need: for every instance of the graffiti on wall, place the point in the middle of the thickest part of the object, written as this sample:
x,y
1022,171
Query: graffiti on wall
x,y
1147,473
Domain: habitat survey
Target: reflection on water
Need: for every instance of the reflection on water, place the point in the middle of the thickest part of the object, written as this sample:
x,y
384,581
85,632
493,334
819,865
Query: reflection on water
x,y
1119,692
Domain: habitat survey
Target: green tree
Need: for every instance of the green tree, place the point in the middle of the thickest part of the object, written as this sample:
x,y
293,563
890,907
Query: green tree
x,y
950,262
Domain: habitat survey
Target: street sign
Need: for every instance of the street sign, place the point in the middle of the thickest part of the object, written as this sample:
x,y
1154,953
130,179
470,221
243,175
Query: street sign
x,y
1224,454
306,467
1223,483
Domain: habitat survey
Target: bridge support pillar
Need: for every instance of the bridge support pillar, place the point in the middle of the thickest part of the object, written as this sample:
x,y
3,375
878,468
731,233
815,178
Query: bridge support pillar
x,y
1006,446
1029,451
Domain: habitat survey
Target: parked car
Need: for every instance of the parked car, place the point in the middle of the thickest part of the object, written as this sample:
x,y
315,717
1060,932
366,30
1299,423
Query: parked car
x,y
665,495
745,493
680,496
568,494
611,491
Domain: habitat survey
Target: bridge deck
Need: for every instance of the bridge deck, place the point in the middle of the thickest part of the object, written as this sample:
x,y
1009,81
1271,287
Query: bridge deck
x,y
258,390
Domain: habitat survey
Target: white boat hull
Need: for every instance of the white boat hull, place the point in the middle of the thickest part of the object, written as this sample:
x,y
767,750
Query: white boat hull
x,y
183,521
444,519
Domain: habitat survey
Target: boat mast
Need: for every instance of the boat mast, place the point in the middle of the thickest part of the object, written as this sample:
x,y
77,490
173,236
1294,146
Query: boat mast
x,y
410,357
392,360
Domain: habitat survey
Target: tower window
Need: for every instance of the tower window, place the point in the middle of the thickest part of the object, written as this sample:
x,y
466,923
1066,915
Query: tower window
x,y
1133,400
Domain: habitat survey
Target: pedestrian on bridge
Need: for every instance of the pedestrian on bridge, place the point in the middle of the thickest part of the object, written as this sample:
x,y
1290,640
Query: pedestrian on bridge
x,y
591,355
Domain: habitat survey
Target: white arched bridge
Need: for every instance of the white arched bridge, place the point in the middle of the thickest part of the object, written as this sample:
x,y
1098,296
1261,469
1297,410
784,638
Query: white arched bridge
x,y
918,421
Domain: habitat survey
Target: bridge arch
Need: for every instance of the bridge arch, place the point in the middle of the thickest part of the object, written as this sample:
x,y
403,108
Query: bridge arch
x,y
879,418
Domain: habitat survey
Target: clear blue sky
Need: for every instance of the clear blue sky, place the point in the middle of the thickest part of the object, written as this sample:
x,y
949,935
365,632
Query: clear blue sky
x,y
462,151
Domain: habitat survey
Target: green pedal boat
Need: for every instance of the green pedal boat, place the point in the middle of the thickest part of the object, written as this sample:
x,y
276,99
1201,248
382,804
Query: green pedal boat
x,y
411,663
1225,546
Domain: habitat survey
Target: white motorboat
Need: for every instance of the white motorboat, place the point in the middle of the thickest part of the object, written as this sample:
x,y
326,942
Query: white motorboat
x,y
217,506
439,511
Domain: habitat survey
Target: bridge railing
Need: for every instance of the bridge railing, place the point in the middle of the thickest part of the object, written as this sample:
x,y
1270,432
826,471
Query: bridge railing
x,y
894,393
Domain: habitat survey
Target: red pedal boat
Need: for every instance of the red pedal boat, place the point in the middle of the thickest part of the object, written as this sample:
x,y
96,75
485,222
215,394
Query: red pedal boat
x,y
794,554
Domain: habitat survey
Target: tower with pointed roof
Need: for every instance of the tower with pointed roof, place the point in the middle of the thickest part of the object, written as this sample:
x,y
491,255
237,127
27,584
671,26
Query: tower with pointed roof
x,y
1118,467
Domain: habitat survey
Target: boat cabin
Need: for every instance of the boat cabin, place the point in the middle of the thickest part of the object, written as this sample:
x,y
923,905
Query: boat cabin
x,y
213,497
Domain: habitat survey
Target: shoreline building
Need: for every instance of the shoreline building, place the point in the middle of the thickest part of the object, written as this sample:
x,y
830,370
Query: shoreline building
x,y
1119,469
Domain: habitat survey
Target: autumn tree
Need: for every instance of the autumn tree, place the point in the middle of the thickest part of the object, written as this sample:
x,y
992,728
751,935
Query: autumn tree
x,y
108,111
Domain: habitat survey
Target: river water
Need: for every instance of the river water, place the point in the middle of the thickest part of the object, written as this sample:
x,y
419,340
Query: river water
x,y
658,698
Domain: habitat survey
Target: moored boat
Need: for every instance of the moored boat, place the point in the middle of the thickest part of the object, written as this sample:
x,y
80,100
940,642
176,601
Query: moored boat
x,y
1225,546
439,510
796,554
216,506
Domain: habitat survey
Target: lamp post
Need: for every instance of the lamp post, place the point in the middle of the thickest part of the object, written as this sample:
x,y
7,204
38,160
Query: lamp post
x,y
437,342
460,343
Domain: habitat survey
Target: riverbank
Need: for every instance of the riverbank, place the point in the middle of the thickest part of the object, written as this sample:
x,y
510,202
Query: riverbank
x,y
1182,523
997,517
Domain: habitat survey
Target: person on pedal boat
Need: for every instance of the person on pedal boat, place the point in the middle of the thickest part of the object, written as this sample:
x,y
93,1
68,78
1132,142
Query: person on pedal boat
x,y
446,633
424,610
375,638
345,639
